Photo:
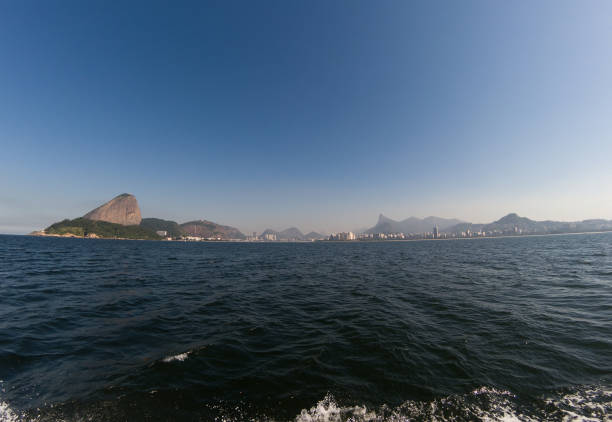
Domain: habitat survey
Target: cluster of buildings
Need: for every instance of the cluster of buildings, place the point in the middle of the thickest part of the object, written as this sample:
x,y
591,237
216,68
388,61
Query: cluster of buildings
x,y
343,236
434,234
165,236
200,238
350,236
266,237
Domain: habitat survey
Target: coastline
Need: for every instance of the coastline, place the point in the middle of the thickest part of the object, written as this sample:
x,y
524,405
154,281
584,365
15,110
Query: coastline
x,y
463,238
73,236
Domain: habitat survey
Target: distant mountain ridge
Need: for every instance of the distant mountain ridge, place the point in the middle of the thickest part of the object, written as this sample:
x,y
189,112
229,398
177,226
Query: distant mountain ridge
x,y
511,223
208,229
411,225
314,236
292,233
514,222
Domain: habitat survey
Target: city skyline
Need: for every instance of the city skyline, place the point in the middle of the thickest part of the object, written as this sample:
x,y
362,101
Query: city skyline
x,y
318,115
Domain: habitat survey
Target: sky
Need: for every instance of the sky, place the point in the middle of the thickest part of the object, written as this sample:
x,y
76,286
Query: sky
x,y
315,114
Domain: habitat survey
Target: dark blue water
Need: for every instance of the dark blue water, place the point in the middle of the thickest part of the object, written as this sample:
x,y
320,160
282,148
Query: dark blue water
x,y
507,328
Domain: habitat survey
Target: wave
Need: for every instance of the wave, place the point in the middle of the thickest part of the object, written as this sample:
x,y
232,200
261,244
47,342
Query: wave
x,y
180,357
483,404
488,404
7,414
588,404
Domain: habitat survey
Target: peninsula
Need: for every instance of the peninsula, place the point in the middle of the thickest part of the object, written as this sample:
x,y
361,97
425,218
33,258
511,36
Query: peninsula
x,y
120,218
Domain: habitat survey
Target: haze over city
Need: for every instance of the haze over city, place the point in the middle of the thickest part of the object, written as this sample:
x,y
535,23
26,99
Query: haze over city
x,y
316,115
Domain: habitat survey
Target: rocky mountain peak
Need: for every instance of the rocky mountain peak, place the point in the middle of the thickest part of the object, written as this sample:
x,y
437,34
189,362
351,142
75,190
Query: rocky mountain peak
x,y
122,209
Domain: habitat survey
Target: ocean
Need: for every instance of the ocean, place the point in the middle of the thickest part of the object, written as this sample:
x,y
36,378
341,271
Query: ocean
x,y
484,329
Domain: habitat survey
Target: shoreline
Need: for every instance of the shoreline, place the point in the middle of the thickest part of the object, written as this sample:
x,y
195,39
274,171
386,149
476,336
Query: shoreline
x,y
71,236
464,238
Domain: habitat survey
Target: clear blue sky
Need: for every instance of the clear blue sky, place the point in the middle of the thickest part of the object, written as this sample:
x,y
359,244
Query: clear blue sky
x,y
318,114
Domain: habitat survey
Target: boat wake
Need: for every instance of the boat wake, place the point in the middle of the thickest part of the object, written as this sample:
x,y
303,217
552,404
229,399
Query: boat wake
x,y
483,404
7,414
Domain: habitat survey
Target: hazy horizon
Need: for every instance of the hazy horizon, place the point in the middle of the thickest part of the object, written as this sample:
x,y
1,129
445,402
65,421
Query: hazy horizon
x,y
315,115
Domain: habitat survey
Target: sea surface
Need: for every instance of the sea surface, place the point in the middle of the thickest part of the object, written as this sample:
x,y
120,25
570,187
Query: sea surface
x,y
487,329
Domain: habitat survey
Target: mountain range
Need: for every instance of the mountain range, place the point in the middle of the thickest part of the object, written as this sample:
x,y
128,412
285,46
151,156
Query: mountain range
x,y
411,225
509,223
292,233
514,222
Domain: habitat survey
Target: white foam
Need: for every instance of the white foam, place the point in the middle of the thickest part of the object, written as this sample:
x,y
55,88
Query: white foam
x,y
587,405
7,414
180,357
483,404
489,390
500,407
327,410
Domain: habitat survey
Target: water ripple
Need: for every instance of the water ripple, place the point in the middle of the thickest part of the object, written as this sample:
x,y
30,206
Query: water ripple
x,y
493,329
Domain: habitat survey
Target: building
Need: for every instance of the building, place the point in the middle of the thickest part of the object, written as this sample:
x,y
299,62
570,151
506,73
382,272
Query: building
x,y
270,236
436,233
343,236
162,233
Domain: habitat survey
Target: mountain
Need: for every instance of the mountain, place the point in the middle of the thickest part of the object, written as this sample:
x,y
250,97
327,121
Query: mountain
x,y
411,225
208,229
525,225
122,209
157,224
463,227
314,236
291,233
513,223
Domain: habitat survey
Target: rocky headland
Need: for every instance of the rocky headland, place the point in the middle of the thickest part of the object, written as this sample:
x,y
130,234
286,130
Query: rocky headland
x,y
120,218
122,209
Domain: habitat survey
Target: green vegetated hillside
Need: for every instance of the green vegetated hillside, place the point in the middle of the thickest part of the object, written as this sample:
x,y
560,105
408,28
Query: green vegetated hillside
x,y
155,224
83,227
207,229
